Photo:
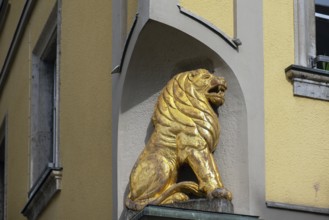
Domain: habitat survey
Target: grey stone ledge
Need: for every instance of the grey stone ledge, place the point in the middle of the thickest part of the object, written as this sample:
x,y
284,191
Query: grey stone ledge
x,y
216,205
212,205
309,82
48,188
294,207
170,213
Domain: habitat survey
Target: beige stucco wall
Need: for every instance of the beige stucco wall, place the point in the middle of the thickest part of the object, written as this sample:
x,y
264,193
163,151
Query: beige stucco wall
x,y
13,13
296,129
85,113
85,110
14,102
219,13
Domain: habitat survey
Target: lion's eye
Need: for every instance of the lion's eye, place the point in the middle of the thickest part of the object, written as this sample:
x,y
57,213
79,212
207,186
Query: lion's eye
x,y
206,76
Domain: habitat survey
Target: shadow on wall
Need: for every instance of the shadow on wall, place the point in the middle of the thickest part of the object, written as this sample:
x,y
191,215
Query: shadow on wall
x,y
160,53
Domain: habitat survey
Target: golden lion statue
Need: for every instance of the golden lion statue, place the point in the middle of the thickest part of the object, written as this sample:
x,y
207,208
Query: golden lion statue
x,y
186,132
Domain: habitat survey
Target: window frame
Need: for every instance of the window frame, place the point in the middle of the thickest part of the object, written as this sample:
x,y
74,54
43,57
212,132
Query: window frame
x,y
304,29
307,81
48,183
44,105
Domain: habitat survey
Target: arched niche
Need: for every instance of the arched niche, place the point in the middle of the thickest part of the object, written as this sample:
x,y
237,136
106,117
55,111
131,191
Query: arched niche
x,y
160,52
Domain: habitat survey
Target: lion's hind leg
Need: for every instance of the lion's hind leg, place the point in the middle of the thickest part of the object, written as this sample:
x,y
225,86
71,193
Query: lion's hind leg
x,y
151,176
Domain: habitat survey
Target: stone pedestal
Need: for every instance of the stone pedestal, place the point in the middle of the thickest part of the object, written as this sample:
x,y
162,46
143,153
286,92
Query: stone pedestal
x,y
193,209
214,205
170,213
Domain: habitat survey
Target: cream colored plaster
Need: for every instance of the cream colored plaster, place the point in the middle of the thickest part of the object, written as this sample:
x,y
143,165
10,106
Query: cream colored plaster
x,y
85,138
9,28
85,112
14,103
296,129
52,211
38,20
218,12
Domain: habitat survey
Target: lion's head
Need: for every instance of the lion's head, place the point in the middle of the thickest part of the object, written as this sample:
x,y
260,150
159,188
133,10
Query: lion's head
x,y
213,87
189,102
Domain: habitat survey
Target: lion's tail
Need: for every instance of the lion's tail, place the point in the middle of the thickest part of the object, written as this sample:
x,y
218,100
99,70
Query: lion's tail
x,y
186,187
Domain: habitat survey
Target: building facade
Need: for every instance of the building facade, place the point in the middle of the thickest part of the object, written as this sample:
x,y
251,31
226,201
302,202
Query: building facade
x,y
79,80
274,118
56,152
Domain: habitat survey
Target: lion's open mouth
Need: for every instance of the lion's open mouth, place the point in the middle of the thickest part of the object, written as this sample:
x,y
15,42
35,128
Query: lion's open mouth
x,y
215,96
218,89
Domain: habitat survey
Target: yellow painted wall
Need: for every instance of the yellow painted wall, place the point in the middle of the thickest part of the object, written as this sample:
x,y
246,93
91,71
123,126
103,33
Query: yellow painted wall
x,y
9,27
218,12
85,112
14,102
296,129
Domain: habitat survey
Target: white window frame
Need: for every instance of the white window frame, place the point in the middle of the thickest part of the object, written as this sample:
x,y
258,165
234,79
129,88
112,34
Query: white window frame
x,y
305,41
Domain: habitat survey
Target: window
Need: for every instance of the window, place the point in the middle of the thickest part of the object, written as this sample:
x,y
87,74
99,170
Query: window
x,y
43,110
45,170
322,34
309,75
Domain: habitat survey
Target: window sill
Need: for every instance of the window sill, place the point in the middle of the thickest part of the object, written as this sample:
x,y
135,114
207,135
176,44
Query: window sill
x,y
49,185
309,82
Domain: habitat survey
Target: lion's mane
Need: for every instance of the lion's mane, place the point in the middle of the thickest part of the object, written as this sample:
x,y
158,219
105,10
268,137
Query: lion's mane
x,y
181,106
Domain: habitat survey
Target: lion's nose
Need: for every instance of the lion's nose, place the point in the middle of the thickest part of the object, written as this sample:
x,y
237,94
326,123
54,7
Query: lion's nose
x,y
219,81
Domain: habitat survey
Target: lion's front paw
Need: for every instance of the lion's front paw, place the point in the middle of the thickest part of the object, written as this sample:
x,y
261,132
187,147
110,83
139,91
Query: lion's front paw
x,y
221,193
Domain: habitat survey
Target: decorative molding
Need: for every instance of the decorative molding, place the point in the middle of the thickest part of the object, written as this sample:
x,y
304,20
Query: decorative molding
x,y
234,43
117,69
300,208
309,82
23,20
46,190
